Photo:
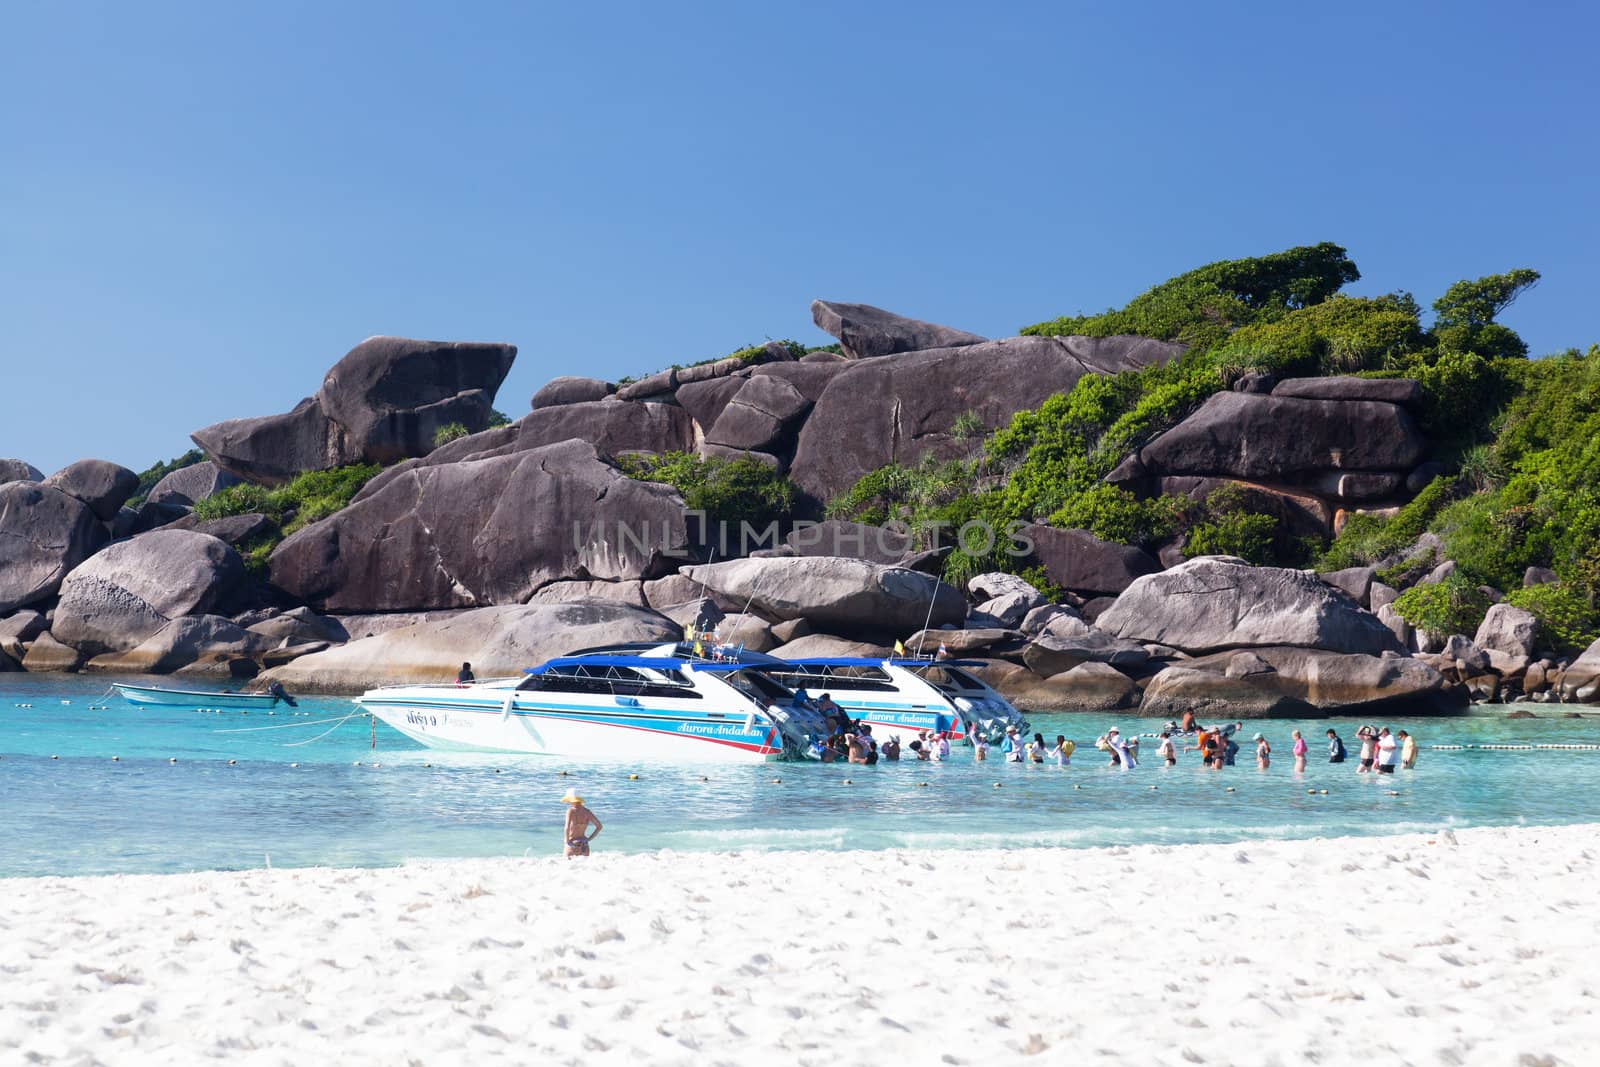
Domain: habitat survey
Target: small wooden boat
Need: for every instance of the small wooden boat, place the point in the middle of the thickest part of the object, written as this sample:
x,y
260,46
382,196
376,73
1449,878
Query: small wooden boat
x,y
190,698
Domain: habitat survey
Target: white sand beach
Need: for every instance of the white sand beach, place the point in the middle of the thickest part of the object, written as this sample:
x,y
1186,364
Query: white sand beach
x,y
1481,946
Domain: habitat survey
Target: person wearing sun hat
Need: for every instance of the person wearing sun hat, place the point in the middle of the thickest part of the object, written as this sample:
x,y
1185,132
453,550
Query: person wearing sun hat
x,y
579,820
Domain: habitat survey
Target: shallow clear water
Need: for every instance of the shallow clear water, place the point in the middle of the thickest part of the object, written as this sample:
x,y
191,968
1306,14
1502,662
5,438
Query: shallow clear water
x,y
296,799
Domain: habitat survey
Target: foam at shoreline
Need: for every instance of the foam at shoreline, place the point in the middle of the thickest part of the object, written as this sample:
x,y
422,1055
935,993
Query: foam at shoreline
x,y
1470,946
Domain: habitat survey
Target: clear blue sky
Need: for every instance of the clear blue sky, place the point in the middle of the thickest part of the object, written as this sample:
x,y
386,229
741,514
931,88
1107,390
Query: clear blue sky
x,y
202,206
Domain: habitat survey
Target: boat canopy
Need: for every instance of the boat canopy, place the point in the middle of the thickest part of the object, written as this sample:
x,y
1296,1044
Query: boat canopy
x,y
871,661
649,663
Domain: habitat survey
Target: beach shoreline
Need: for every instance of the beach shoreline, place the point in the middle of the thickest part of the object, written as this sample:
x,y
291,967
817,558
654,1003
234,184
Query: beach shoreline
x,y
1466,946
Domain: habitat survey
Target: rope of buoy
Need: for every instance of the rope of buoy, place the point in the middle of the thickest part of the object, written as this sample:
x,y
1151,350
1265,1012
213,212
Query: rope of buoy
x,y
325,733
281,726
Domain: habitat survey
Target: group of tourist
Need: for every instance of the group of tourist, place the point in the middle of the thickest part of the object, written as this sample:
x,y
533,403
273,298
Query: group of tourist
x,y
848,741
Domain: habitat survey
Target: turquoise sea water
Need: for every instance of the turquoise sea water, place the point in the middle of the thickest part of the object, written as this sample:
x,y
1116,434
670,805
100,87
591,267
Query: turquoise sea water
x,y
294,798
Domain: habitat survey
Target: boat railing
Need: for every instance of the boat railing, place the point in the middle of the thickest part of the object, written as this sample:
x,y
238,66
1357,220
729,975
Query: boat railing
x,y
475,683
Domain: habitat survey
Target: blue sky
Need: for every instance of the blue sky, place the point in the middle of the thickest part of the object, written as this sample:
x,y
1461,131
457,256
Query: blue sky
x,y
202,206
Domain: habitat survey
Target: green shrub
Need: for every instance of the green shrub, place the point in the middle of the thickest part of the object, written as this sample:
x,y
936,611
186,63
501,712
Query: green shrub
x,y
1367,539
968,425
1237,533
1452,606
450,431
311,496
737,490
1342,335
1567,620
1114,514
1201,307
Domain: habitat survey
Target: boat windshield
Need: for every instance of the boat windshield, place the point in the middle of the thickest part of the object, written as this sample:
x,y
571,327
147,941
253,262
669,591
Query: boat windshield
x,y
853,677
948,678
608,680
755,683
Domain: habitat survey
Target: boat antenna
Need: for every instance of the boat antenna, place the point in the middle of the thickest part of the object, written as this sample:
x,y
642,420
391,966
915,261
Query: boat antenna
x,y
923,636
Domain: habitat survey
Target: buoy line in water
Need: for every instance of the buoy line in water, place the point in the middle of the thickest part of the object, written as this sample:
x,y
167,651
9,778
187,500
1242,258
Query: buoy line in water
x,y
288,725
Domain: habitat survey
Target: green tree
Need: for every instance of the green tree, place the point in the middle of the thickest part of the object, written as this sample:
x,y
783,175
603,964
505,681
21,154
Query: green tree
x,y
1466,313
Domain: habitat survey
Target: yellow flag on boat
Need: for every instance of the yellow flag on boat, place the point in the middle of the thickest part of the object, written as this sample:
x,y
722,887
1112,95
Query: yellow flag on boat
x,y
697,649
899,648
688,632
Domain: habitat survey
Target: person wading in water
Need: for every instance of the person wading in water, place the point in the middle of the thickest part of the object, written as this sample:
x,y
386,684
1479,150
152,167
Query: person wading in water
x,y
579,819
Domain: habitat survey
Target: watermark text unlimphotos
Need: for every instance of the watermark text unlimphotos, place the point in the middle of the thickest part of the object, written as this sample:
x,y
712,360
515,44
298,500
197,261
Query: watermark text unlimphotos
x,y
976,537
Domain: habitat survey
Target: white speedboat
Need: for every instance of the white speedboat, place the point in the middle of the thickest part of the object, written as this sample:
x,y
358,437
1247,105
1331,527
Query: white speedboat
x,y
599,706
898,695
905,695
150,695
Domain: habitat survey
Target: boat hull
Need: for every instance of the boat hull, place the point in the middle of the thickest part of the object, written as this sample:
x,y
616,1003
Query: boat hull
x,y
462,724
152,696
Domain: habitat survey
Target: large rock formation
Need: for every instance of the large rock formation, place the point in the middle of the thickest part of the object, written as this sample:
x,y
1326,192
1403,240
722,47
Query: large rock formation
x,y
1581,680
16,470
1388,390
382,402
132,589
570,390
1215,602
99,483
1080,561
865,331
497,641
484,531
195,644
898,408
841,595
612,426
1254,437
760,415
187,486
44,534
1332,681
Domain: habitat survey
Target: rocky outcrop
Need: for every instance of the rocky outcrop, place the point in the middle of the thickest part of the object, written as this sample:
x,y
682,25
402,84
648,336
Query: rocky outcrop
x,y
760,415
44,534
567,592
195,644
820,645
899,408
1088,687
300,626
16,470
1387,390
568,389
1253,437
187,486
836,537
1214,603
1332,681
962,643
497,641
482,532
612,426
102,485
234,529
1079,561
864,331
128,592
1581,680
1509,630
48,654
847,596
383,402
705,401
1051,654
1211,694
